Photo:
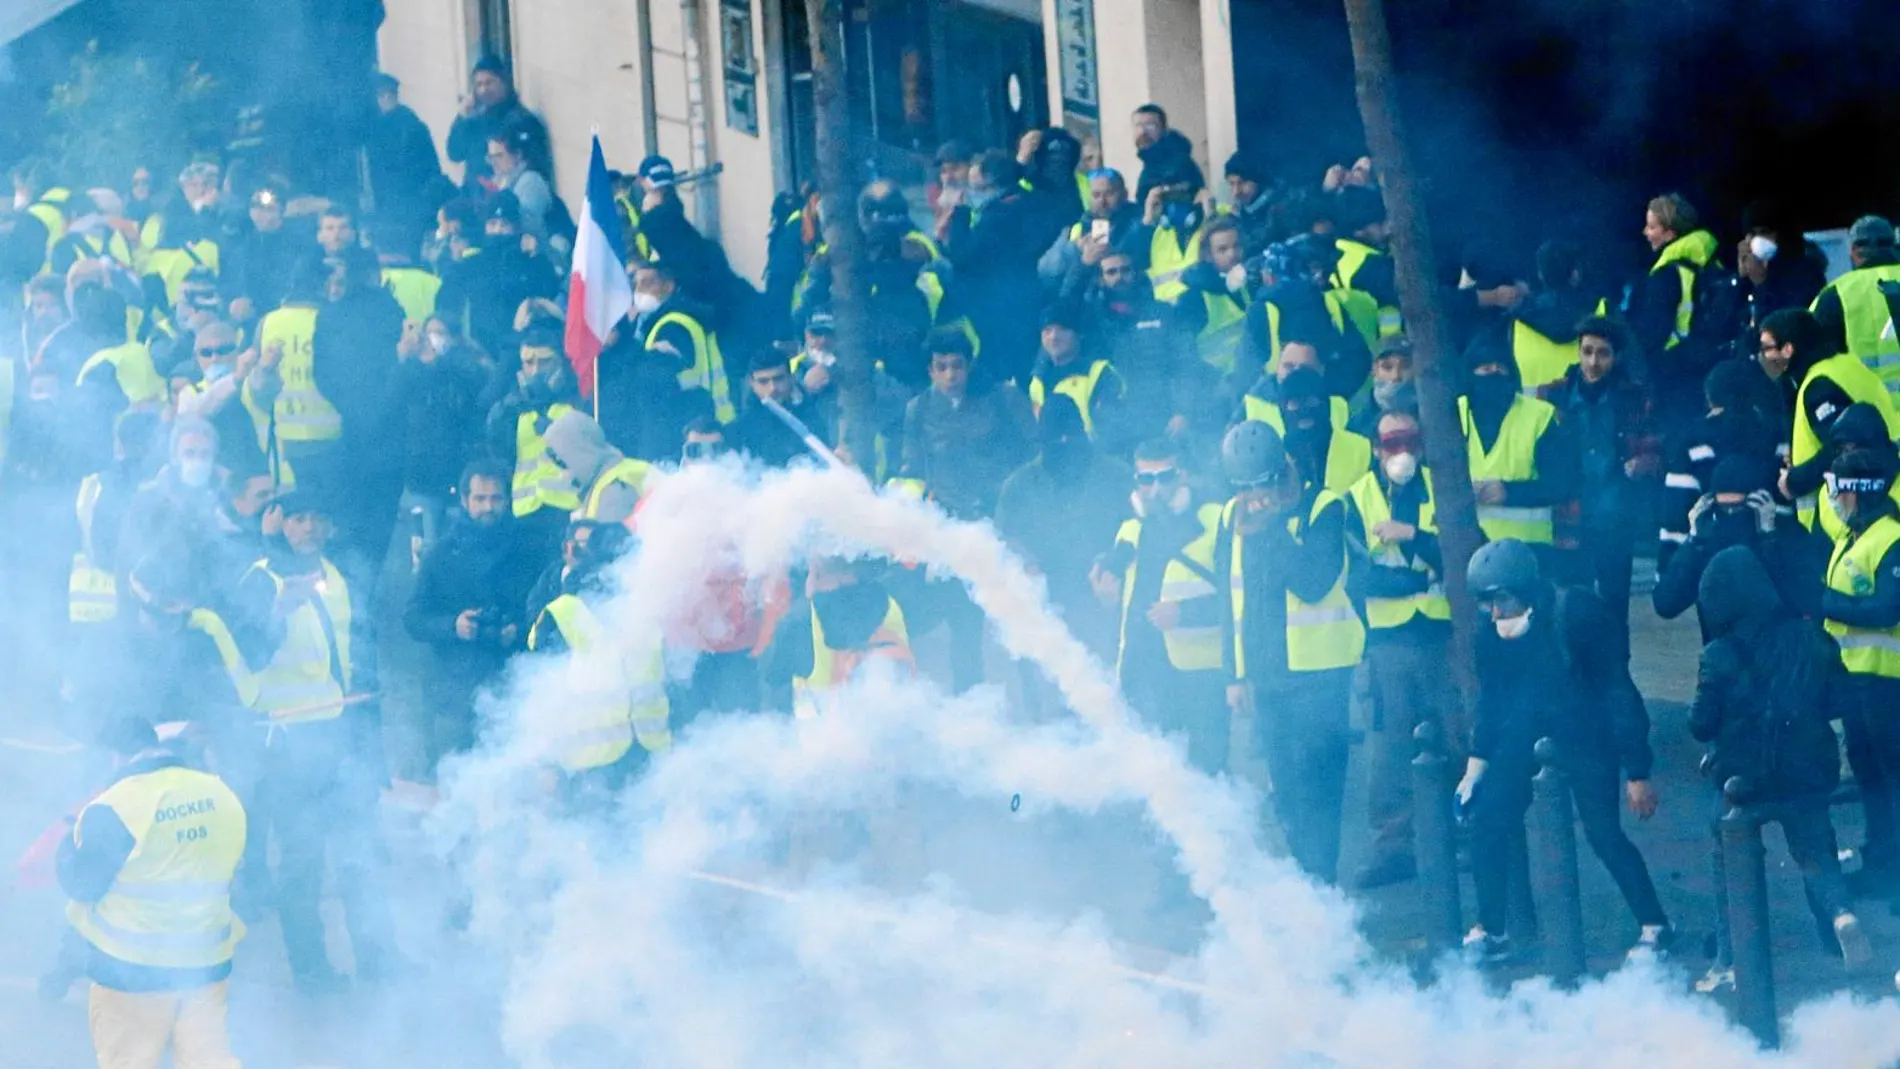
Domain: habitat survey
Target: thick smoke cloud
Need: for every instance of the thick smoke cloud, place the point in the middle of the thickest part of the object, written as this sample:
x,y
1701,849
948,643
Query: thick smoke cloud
x,y
922,881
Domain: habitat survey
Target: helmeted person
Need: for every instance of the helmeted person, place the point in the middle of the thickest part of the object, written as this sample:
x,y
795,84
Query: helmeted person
x,y
544,494
1300,301
1830,381
611,483
851,626
1364,265
1762,703
1552,665
1662,311
1401,583
1522,463
1161,569
148,875
619,716
1291,636
1861,608
307,638
1855,311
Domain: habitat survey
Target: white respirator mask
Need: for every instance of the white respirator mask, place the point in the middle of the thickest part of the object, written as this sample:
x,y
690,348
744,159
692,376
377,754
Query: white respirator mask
x,y
1514,626
1762,248
1401,467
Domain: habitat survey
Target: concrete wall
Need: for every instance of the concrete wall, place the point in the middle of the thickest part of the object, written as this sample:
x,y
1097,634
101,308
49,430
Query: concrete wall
x,y
750,179
425,44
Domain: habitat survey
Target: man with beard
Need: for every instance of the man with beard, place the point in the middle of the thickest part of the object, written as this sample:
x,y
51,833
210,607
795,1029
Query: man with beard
x,y
1168,388
544,494
468,605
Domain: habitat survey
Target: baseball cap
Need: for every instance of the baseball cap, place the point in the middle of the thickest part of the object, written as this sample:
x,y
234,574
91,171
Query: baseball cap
x,y
657,171
1870,230
821,323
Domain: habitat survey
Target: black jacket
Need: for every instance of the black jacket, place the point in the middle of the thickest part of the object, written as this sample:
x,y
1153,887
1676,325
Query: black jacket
x,y
471,567
439,417
1568,679
995,258
469,134
1794,560
482,292
1762,690
353,359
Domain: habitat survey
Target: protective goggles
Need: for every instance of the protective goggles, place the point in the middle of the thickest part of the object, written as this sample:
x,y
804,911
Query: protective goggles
x,y
1860,484
1158,477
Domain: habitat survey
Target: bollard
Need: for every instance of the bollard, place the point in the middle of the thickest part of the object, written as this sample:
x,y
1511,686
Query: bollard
x,y
1433,844
1554,862
1745,872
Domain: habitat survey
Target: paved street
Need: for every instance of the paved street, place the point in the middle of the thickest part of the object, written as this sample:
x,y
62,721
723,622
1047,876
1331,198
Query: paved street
x,y
454,1024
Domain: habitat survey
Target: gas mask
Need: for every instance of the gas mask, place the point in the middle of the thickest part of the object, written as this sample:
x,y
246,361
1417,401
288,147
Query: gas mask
x,y
1177,502
1514,627
1401,468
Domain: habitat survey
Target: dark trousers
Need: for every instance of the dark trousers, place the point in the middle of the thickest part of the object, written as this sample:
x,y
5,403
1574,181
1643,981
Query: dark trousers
x,y
1869,708
315,796
1497,840
949,602
1301,725
721,683
1809,832
1410,686
1193,704
1611,556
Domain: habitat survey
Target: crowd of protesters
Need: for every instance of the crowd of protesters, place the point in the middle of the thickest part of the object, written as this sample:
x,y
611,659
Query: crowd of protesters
x,y
1190,410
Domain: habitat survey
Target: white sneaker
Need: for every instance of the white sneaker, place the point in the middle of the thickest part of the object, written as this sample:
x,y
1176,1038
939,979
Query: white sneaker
x,y
1717,978
1856,951
1653,942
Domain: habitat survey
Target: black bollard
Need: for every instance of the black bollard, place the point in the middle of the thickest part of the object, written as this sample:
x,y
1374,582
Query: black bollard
x,y
1553,835
1433,843
1745,872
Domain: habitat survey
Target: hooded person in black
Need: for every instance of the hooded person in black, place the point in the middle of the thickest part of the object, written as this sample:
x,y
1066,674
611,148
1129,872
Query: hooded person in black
x,y
1735,425
1292,306
1166,161
354,364
1552,665
1556,309
1762,703
1739,510
1492,393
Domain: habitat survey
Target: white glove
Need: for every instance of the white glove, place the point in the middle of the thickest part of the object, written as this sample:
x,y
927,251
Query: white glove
x,y
1763,503
1474,771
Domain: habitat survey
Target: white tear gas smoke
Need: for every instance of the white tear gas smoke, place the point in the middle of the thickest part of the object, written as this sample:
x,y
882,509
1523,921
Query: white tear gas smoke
x,y
857,890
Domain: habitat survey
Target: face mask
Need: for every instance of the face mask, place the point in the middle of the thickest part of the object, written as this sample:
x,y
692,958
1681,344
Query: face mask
x,y
1491,392
194,473
1401,468
1236,278
645,303
216,373
1762,248
1512,627
20,202
1391,395
439,342
1182,216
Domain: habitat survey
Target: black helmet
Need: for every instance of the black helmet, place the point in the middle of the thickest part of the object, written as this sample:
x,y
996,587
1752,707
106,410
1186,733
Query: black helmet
x,y
1252,453
1506,566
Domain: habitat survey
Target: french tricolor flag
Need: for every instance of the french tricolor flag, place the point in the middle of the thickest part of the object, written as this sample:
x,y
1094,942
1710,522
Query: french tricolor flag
x,y
598,291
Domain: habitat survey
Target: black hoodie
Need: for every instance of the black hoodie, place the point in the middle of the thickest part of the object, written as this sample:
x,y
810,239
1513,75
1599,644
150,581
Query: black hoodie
x,y
1761,700
1556,313
1169,160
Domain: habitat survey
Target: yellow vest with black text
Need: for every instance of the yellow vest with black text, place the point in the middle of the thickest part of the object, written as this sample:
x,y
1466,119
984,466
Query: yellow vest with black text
x,y
1853,569
415,289
708,371
1226,327
1686,255
1511,458
170,907
1541,361
628,472
1861,385
1319,636
1079,386
1168,257
540,482
301,684
1191,648
1353,256
812,695
92,594
300,413
132,369
1369,497
1348,457
630,707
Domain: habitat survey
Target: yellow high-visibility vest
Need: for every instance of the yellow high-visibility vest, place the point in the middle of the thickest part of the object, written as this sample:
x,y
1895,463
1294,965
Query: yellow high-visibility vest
x,y
1512,458
1686,255
708,371
415,289
626,472
1871,336
170,907
85,247
1541,361
1353,256
132,369
1349,455
301,684
1320,636
300,413
629,707
1168,256
171,265
1852,569
539,482
92,594
50,210
1078,385
1220,339
1861,385
1368,495
1191,648
813,695
212,626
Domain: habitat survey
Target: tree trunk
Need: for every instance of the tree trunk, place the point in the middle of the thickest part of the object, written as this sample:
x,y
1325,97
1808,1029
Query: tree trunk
x,y
1413,259
838,199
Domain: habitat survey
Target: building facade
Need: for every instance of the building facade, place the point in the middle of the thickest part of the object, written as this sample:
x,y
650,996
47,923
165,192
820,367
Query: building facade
x,y
729,82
